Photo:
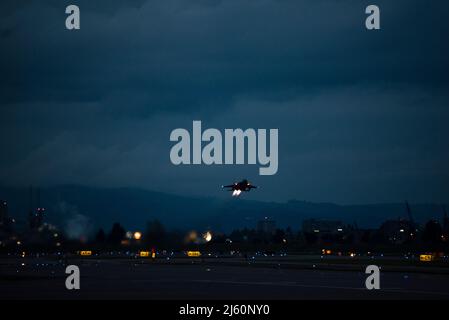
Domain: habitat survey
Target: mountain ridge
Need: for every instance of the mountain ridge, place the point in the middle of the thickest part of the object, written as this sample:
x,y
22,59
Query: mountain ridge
x,y
133,207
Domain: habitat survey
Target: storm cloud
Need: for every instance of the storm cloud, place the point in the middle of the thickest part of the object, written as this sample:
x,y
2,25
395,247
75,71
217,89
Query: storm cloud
x,y
362,115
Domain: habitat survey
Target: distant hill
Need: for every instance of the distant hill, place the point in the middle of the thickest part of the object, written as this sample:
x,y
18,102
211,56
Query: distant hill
x,y
134,207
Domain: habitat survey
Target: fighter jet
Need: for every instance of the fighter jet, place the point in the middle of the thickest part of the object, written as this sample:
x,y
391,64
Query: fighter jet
x,y
238,187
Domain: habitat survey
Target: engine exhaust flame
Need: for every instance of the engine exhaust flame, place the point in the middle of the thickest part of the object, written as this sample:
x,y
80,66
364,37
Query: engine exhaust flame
x,y
236,193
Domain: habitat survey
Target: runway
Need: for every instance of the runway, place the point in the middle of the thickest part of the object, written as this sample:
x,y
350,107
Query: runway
x,y
125,279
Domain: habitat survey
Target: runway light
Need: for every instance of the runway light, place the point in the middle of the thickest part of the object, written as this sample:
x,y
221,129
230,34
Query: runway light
x,y
193,253
137,235
426,257
144,254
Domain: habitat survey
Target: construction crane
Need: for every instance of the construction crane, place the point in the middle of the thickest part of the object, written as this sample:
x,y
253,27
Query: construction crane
x,y
409,213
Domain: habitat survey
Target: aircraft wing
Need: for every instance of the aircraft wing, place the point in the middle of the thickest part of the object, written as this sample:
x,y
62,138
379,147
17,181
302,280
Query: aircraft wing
x,y
230,186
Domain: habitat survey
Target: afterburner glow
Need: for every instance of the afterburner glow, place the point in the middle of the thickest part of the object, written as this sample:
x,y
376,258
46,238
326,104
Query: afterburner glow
x,y
236,193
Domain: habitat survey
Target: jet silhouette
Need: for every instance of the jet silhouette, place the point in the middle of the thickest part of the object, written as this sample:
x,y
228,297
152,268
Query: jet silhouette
x,y
239,187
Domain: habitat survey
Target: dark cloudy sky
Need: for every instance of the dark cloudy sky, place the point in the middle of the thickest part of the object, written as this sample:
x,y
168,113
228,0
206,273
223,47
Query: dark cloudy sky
x,y
363,116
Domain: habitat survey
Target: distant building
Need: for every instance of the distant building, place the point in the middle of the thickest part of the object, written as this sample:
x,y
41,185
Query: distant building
x,y
36,213
445,226
3,210
36,218
266,226
6,223
322,226
397,231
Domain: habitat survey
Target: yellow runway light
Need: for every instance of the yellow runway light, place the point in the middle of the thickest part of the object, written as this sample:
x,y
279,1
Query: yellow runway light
x,y
144,253
193,253
426,257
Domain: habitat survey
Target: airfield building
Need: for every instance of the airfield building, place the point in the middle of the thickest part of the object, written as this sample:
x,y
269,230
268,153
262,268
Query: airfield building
x,y
322,226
